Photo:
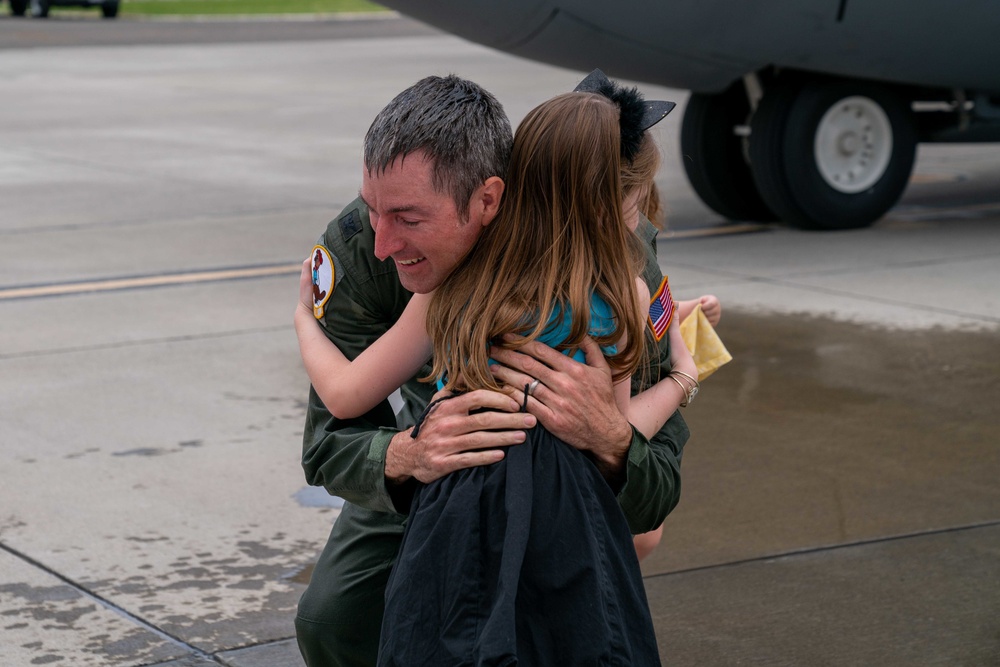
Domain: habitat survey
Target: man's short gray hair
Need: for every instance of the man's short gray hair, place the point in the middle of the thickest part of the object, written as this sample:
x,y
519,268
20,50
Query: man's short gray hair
x,y
460,126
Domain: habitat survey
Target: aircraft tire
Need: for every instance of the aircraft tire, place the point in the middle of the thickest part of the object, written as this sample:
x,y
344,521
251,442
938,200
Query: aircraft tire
x,y
832,154
766,151
713,155
109,9
18,7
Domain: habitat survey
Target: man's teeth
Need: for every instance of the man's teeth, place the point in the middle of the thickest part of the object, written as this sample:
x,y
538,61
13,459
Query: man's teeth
x,y
408,262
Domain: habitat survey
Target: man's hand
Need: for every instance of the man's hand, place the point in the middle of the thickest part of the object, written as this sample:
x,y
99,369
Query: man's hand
x,y
575,401
451,437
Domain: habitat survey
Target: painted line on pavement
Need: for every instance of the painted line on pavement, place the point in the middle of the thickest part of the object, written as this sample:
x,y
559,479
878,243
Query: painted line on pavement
x,y
138,282
721,230
190,277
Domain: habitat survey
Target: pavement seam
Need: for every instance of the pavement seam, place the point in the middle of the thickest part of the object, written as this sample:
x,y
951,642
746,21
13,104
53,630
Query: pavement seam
x,y
111,606
782,282
923,306
909,263
266,642
828,548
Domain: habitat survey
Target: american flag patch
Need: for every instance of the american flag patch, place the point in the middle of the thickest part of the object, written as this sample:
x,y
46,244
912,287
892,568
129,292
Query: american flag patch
x,y
661,310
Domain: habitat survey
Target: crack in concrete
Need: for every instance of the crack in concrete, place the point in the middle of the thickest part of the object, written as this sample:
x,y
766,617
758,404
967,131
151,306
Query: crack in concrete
x,y
110,606
825,549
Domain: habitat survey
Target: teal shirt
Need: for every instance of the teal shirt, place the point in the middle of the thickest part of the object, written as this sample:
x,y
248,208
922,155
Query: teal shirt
x,y
602,323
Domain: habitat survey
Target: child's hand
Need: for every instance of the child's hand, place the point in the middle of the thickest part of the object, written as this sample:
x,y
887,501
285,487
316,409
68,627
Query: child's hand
x,y
306,285
712,307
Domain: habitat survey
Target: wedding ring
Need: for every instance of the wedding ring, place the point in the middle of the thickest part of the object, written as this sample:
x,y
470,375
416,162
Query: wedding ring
x,y
531,387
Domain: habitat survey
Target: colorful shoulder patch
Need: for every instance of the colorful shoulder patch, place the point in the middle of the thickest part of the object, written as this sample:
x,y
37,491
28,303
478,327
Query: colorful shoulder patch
x,y
324,277
661,310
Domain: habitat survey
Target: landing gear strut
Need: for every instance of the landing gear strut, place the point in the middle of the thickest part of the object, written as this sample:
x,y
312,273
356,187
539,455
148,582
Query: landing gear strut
x,y
714,155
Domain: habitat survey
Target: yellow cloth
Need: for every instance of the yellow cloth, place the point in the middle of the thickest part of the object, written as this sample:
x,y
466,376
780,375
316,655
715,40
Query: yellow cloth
x,y
706,347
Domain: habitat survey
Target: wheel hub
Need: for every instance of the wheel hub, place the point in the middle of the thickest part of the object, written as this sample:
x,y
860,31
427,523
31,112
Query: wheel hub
x,y
853,144
849,144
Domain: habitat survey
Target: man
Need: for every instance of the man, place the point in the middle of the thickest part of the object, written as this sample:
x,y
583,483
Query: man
x,y
435,159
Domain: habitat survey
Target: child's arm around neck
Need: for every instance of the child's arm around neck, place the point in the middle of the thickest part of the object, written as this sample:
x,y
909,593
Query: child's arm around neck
x,y
348,388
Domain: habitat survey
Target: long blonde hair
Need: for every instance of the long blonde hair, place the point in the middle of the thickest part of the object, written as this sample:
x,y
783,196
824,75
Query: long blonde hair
x,y
558,239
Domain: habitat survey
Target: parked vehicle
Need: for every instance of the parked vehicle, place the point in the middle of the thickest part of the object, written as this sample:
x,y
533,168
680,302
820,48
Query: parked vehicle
x,y
40,8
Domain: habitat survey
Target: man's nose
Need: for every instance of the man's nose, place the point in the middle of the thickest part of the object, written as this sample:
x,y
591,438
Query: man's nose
x,y
386,242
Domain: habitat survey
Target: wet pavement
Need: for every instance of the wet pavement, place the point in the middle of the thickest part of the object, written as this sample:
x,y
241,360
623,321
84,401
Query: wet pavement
x,y
840,504
845,509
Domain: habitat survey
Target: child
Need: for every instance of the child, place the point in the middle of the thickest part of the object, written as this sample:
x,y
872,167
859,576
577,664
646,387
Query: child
x,y
648,203
641,198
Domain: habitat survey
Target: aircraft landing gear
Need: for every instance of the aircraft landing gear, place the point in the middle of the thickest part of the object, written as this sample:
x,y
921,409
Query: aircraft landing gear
x,y
714,155
18,7
828,154
831,155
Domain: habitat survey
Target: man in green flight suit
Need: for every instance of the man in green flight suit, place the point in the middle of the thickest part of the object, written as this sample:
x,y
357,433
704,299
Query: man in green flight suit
x,y
435,159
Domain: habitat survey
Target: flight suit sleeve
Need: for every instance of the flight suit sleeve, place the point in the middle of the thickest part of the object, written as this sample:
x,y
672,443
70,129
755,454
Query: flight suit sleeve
x,y
652,485
347,456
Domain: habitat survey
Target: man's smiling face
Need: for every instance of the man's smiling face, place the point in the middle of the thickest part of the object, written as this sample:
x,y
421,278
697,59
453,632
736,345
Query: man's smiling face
x,y
417,226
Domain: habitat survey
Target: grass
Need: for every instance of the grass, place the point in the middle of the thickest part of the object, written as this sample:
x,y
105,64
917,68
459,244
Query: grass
x,y
201,7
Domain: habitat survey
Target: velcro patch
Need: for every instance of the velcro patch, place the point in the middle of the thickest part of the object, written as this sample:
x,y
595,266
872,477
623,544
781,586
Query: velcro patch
x,y
661,310
324,278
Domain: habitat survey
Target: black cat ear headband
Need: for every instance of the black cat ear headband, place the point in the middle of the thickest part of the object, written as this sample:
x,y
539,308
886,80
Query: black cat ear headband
x,y
637,114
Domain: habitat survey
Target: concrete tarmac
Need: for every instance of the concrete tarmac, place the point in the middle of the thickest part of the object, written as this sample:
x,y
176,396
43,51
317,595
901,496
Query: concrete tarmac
x,y
840,505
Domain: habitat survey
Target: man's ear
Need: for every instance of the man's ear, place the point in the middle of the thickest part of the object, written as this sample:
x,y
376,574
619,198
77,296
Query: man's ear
x,y
487,198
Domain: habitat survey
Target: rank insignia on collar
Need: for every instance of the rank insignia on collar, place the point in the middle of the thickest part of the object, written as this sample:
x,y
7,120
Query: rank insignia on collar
x,y
661,310
323,279
350,224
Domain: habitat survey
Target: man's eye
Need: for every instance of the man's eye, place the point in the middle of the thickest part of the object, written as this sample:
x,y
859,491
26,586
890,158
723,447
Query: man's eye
x,y
409,223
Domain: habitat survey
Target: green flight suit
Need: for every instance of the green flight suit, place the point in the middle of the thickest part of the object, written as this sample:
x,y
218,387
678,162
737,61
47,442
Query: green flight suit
x,y
340,614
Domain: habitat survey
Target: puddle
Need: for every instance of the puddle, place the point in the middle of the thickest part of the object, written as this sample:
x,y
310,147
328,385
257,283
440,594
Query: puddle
x,y
822,432
817,364
301,575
